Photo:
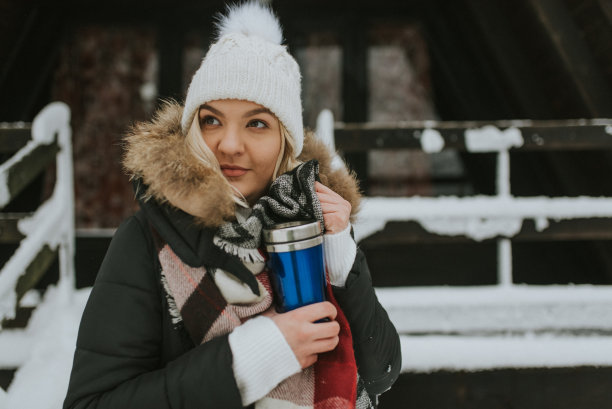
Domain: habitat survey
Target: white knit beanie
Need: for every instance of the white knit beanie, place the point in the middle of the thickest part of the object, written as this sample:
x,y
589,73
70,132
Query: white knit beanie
x,y
248,62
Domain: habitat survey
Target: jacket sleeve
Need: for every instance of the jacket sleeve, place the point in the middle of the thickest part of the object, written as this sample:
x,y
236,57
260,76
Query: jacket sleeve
x,y
118,360
375,339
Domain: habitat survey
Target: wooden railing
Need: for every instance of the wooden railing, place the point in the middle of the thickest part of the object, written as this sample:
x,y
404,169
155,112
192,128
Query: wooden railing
x,y
48,232
453,327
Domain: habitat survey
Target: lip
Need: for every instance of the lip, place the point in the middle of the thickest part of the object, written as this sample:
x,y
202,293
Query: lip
x,y
233,171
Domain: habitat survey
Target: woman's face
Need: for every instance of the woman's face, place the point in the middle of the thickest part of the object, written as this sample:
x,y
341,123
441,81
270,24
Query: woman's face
x,y
246,140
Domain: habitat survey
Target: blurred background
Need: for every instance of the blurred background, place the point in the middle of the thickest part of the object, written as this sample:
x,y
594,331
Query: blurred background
x,y
366,61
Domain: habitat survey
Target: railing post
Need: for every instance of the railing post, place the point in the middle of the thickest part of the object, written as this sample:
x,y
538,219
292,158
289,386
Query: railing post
x,y
54,121
504,245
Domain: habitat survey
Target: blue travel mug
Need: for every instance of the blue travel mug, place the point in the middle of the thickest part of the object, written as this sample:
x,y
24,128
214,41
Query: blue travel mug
x,y
297,266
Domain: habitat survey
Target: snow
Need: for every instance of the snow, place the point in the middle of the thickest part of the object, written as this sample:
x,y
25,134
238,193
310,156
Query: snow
x,y
497,309
47,346
477,217
325,132
489,138
5,195
475,228
431,141
503,174
433,353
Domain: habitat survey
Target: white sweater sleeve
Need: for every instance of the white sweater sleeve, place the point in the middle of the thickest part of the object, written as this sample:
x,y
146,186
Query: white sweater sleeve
x,y
262,358
340,250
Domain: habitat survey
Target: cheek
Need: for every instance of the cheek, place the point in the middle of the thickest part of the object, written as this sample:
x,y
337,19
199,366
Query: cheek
x,y
212,145
267,154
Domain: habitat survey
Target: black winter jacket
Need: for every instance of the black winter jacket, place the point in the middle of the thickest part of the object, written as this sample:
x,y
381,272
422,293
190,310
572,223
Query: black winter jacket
x,y
130,355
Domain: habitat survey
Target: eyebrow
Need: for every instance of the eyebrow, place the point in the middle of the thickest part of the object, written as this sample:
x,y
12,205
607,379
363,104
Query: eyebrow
x,y
211,109
257,111
246,115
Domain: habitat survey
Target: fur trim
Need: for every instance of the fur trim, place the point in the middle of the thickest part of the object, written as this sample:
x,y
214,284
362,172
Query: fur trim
x,y
156,152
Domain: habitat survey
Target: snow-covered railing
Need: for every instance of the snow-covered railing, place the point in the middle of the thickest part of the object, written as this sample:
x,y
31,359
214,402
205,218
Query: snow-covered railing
x,y
50,229
503,325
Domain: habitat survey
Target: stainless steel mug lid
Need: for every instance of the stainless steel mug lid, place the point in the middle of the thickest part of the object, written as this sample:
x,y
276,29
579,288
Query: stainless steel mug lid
x,y
292,231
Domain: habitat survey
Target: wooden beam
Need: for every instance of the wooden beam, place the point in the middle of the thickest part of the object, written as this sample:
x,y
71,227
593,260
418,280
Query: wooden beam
x,y
9,233
511,60
34,272
449,97
573,52
13,138
32,164
355,95
170,56
537,135
22,316
411,232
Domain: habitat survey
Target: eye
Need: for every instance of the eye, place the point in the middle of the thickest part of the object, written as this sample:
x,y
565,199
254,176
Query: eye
x,y
209,121
257,123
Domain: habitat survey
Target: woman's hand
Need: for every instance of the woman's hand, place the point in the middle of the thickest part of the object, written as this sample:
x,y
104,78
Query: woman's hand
x,y
336,210
305,336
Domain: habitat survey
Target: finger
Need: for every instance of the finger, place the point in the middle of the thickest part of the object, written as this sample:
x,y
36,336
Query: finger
x,y
324,190
320,187
334,208
327,198
326,330
316,312
325,345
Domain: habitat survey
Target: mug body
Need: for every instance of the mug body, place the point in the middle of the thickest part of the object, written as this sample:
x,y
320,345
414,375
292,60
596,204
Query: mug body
x,y
296,264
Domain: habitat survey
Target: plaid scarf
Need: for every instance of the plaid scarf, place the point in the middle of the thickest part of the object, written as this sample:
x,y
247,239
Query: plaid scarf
x,y
196,300
291,197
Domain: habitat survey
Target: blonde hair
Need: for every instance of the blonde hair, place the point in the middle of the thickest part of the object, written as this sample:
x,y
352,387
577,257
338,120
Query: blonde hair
x,y
198,147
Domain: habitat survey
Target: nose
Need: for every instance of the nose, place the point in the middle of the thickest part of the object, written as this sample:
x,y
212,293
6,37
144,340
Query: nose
x,y
231,142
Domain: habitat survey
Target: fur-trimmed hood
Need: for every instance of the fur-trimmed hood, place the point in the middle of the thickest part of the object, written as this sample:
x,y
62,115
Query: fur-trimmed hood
x,y
156,153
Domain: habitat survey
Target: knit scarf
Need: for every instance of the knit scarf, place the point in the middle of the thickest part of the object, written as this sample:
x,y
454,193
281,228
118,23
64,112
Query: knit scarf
x,y
291,197
197,300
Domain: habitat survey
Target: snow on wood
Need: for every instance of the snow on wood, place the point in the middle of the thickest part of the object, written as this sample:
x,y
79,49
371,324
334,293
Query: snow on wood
x,y
478,217
15,345
325,132
489,138
434,353
491,327
431,141
498,310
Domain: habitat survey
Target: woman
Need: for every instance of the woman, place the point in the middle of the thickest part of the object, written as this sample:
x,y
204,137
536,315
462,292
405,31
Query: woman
x,y
181,314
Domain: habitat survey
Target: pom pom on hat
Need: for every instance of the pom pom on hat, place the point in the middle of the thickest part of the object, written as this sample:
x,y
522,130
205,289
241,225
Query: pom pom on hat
x,y
248,62
250,19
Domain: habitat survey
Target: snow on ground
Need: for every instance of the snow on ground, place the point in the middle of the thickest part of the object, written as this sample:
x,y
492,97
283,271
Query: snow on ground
x,y
47,347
